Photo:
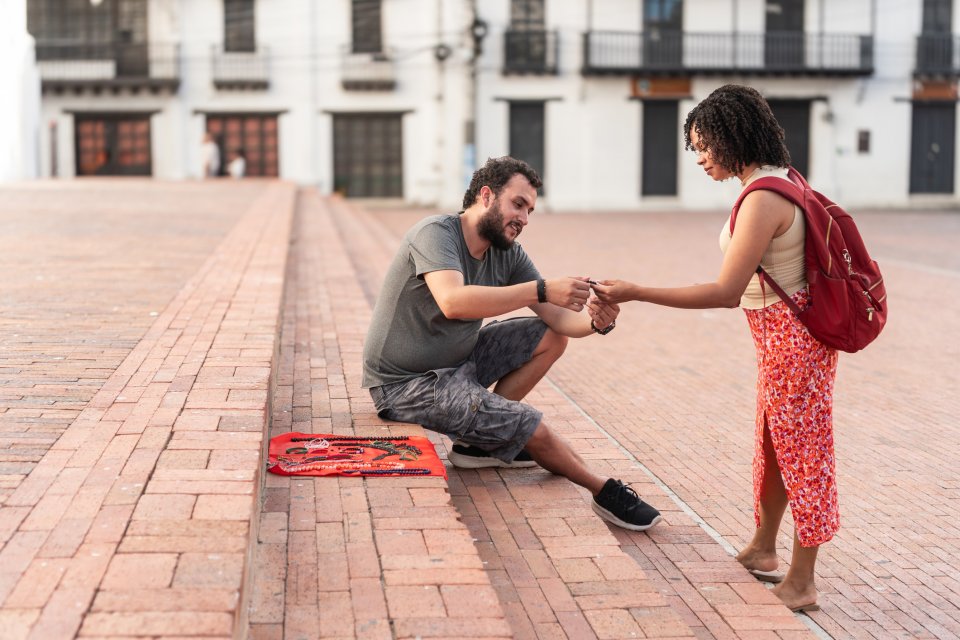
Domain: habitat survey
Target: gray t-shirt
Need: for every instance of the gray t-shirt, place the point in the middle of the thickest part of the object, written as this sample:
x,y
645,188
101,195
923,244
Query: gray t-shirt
x,y
408,334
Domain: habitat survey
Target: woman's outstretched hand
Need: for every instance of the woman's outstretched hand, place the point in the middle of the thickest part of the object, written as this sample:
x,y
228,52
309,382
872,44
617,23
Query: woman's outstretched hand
x,y
613,291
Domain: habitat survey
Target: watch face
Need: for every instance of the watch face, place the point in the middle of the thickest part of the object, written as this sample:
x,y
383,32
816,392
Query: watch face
x,y
605,330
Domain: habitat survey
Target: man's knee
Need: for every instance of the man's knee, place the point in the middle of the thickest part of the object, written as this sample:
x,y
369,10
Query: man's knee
x,y
541,440
553,344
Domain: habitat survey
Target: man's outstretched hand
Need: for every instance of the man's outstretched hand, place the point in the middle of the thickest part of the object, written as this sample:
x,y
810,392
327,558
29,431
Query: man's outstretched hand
x,y
601,313
569,293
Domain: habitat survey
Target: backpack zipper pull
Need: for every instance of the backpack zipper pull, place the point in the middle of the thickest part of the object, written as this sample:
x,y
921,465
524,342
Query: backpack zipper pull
x,y
869,314
849,260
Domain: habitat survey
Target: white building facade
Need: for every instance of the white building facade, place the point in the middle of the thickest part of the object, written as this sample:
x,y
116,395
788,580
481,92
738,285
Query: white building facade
x,y
402,98
20,108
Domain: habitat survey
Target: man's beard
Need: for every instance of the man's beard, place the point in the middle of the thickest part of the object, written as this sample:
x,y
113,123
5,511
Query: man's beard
x,y
491,227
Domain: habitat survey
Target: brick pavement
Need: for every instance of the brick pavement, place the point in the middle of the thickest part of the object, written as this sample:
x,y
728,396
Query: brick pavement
x,y
148,493
103,262
136,519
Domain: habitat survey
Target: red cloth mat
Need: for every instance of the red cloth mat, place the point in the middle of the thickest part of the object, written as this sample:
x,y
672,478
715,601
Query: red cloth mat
x,y
324,454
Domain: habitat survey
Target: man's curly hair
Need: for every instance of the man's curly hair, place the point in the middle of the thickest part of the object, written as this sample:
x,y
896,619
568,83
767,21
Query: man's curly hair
x,y
736,124
495,173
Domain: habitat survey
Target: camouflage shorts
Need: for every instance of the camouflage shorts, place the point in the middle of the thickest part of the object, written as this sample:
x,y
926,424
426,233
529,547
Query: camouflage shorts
x,y
456,401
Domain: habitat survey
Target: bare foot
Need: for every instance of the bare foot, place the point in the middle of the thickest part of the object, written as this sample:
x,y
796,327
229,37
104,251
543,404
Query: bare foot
x,y
797,597
753,559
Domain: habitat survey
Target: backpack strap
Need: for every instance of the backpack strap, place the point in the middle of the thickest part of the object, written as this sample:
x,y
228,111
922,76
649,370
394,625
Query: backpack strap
x,y
766,279
790,190
793,190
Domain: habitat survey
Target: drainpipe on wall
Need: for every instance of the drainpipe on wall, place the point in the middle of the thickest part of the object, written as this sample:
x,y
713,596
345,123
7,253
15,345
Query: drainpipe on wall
x,y
470,126
586,54
314,104
441,53
735,19
822,21
54,168
189,144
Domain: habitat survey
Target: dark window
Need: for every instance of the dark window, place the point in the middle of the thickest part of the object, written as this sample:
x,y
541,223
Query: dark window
x,y
662,33
932,147
663,14
76,29
784,43
366,26
527,140
863,141
794,117
935,44
937,16
660,148
70,22
112,144
527,14
238,26
368,155
527,40
253,134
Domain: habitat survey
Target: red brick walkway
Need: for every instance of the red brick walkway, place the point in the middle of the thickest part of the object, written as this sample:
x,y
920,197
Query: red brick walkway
x,y
136,520
143,324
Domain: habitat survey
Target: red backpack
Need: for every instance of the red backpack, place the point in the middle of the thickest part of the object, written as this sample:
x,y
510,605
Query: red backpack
x,y
848,301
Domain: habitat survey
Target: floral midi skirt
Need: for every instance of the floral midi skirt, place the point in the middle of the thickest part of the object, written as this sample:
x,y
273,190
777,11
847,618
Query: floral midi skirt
x,y
795,381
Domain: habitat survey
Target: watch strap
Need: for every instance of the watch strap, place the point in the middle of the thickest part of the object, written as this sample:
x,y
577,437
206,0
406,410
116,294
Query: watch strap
x,y
605,330
541,290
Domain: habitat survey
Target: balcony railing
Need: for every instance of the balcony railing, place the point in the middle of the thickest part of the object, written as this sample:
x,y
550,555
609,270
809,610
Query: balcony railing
x,y
100,66
368,71
241,69
938,54
771,53
533,52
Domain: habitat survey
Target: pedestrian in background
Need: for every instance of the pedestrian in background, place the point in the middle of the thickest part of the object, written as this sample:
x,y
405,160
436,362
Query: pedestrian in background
x,y
735,135
237,167
210,154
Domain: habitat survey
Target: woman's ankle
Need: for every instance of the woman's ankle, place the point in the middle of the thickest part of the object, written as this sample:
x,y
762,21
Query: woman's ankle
x,y
794,592
759,558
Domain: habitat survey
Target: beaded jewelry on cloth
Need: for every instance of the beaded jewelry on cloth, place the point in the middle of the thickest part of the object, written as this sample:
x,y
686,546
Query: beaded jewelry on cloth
x,y
320,454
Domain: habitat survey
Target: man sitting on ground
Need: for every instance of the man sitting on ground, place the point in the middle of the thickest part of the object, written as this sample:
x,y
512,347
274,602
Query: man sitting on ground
x,y
428,361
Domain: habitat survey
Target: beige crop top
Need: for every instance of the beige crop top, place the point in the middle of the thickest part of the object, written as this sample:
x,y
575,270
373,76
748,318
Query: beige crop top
x,y
783,259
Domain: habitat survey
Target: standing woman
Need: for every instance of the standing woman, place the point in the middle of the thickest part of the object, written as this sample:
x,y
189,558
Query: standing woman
x,y
735,135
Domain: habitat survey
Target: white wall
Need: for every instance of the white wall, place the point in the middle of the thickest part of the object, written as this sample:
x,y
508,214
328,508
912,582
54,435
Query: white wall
x,y
593,144
593,139
20,106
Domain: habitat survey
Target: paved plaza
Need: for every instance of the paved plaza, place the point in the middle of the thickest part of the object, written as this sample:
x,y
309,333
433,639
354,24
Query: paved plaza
x,y
153,336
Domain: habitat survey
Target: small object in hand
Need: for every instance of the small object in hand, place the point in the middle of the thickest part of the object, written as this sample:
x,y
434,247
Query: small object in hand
x,y
592,281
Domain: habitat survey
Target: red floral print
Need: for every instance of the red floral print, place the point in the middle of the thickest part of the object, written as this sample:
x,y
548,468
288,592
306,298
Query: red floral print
x,y
795,382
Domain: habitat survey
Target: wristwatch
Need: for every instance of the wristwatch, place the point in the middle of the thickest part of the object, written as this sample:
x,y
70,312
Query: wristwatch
x,y
604,331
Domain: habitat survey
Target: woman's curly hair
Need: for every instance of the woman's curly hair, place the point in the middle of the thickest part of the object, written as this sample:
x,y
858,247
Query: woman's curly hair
x,y
736,124
495,173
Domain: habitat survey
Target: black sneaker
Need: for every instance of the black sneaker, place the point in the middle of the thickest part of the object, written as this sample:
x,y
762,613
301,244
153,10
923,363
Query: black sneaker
x,y
465,456
619,504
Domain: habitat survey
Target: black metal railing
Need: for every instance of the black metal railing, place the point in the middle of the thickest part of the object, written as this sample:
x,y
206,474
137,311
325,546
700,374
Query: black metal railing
x,y
102,65
683,53
241,69
526,51
938,54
